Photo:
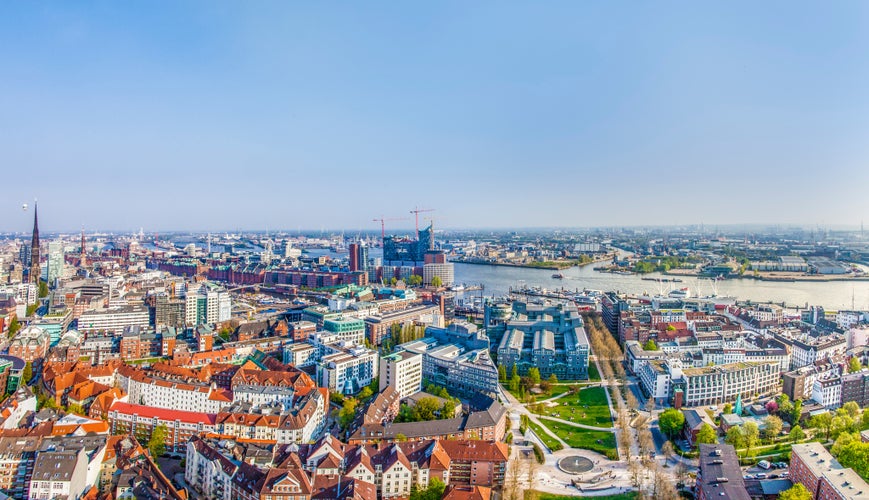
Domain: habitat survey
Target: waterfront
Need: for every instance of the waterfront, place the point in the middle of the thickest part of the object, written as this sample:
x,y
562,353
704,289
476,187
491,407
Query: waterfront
x,y
497,280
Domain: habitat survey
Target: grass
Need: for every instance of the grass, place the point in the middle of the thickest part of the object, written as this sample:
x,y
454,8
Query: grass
x,y
539,495
550,442
602,442
588,406
593,374
556,389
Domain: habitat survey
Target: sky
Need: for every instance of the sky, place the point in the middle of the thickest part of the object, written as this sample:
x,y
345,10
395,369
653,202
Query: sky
x,y
251,115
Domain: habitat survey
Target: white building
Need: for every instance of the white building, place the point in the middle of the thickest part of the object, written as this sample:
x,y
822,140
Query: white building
x,y
445,271
207,471
300,355
403,372
828,392
113,320
806,352
347,369
59,474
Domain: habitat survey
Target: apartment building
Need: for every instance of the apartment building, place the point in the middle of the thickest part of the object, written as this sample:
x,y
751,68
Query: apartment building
x,y
114,320
402,371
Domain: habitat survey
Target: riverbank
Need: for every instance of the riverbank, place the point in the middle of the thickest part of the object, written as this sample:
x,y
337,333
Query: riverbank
x,y
554,265
780,277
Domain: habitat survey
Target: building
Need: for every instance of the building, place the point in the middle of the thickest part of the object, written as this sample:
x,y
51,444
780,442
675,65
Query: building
x,y
828,392
444,271
35,272
377,328
456,366
669,381
55,261
17,458
550,337
720,475
59,474
208,471
139,420
855,387
114,320
30,344
347,369
402,371
825,478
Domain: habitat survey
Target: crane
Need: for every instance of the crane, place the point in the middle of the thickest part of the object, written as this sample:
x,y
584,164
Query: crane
x,y
383,222
416,214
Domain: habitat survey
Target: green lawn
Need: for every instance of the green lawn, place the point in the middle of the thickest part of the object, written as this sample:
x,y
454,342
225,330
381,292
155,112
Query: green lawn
x,y
593,375
548,440
602,442
588,407
538,495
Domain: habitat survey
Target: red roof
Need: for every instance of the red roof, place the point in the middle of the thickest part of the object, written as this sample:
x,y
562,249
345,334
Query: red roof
x,y
164,414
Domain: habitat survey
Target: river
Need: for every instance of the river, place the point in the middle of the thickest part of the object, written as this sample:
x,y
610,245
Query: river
x,y
829,294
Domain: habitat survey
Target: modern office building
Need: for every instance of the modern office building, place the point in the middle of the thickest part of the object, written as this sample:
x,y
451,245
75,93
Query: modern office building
x,y
402,371
55,261
548,336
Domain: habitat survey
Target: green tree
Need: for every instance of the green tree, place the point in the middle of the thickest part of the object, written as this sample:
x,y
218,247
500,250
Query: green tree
x,y
414,280
795,492
734,437
824,422
426,408
553,379
74,408
797,412
751,434
437,282
365,393
797,433
856,455
840,423
434,491
706,435
31,309
728,409
864,419
534,375
773,427
514,371
14,326
400,437
514,383
27,374
843,440
502,373
854,364
448,410
650,345
347,413
671,422
851,408
785,407
43,289
157,441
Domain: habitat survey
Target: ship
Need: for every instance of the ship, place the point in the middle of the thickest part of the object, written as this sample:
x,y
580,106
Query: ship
x,y
557,276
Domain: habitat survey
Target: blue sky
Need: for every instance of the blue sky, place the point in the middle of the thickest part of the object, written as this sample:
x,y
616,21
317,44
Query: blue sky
x,y
223,115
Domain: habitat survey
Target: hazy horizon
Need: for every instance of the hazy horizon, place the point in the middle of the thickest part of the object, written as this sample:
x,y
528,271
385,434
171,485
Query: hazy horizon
x,y
206,116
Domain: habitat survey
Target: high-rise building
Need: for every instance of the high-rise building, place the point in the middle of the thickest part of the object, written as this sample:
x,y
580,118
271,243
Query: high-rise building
x,y
55,261
358,257
34,249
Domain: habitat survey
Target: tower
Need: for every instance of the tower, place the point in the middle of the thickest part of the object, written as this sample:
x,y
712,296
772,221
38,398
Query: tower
x,y
34,249
83,258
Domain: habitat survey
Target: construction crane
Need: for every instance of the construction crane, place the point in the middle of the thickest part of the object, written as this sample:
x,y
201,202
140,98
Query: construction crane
x,y
383,222
419,211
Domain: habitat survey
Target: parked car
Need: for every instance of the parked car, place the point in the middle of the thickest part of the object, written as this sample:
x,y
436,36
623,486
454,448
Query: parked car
x,y
760,476
748,476
763,464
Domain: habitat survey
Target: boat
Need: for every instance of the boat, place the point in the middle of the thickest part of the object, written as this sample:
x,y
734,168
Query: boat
x,y
557,276
682,293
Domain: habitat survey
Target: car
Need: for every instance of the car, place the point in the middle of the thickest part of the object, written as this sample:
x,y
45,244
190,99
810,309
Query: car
x,y
760,476
763,464
784,474
748,476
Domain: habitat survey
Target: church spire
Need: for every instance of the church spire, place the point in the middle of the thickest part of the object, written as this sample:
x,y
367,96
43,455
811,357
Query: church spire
x,y
35,270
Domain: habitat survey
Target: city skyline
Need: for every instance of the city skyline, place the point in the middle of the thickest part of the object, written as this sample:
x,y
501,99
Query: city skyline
x,y
216,116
